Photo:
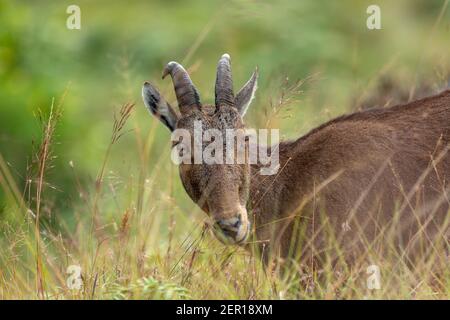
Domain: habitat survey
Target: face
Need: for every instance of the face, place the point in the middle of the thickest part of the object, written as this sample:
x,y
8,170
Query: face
x,y
221,189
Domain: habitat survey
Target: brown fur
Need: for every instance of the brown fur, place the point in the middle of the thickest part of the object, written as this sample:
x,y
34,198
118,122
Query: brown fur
x,y
355,172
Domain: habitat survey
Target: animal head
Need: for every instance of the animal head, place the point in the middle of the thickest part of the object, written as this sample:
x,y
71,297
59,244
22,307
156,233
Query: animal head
x,y
221,189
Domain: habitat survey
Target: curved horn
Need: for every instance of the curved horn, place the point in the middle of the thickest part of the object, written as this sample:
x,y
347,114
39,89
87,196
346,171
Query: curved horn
x,y
187,95
224,83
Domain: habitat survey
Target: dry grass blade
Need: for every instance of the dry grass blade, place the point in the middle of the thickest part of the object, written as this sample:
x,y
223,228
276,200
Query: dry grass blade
x,y
117,132
43,159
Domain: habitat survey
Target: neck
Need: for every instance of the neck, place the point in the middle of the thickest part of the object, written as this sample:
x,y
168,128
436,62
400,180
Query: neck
x,y
268,193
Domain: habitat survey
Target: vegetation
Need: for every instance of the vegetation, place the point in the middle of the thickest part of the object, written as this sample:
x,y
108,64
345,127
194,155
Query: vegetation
x,y
85,173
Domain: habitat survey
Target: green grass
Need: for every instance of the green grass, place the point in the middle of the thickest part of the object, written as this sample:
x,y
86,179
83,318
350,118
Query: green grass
x,y
80,186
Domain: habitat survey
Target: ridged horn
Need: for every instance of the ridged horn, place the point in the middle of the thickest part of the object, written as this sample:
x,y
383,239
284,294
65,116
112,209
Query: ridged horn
x,y
187,95
224,83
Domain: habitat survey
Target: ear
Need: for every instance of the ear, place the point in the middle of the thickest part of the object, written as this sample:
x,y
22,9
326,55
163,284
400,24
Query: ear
x,y
159,107
245,96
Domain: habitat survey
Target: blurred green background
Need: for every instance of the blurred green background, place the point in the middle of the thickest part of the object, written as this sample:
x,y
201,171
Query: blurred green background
x,y
120,45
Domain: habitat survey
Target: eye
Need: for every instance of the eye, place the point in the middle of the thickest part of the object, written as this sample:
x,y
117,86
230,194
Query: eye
x,y
181,145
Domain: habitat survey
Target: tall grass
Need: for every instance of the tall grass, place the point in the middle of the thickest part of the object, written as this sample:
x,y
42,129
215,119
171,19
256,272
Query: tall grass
x,y
132,241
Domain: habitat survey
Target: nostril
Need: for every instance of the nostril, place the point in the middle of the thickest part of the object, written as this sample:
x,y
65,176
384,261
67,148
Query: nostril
x,y
238,223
